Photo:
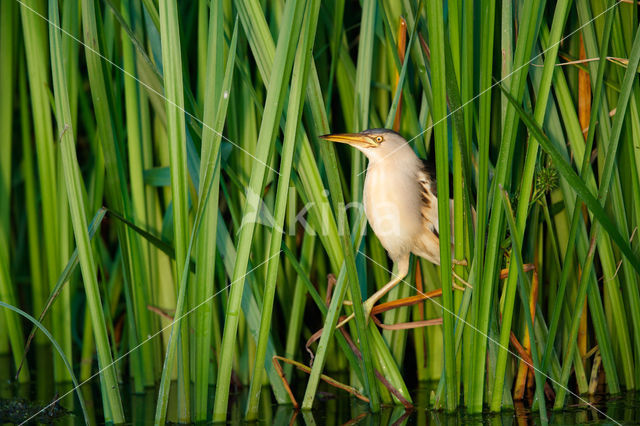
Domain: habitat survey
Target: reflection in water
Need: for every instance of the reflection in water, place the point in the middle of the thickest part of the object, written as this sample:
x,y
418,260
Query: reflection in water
x,y
332,407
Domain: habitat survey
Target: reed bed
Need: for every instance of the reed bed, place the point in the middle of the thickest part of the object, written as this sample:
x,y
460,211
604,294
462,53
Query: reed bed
x,y
165,195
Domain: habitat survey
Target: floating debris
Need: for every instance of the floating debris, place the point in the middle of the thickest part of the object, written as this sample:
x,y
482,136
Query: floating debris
x,y
20,410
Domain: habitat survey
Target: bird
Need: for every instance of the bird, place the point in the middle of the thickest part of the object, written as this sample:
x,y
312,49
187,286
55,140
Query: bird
x,y
400,201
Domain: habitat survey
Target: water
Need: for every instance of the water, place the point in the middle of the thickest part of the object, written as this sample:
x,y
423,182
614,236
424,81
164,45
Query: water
x,y
333,407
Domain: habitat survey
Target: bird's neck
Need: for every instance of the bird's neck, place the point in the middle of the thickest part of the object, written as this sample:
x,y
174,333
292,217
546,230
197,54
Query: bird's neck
x,y
403,159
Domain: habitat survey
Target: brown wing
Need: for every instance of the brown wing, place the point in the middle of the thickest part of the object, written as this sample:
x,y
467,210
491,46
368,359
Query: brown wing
x,y
429,170
427,244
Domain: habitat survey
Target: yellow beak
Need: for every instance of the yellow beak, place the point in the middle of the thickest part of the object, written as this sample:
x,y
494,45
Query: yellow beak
x,y
354,139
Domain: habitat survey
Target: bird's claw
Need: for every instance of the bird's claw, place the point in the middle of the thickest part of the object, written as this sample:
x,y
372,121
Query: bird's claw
x,y
459,278
344,321
367,307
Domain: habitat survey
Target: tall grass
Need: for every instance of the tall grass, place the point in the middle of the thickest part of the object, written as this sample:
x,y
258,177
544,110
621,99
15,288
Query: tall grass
x,y
8,321
197,126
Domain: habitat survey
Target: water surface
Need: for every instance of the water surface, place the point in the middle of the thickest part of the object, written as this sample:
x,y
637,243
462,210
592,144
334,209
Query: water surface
x,y
332,407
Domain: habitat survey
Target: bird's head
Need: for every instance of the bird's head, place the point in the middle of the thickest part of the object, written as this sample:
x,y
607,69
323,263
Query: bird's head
x,y
376,144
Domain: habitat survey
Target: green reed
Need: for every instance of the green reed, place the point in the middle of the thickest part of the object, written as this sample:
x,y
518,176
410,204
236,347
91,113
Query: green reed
x,y
197,126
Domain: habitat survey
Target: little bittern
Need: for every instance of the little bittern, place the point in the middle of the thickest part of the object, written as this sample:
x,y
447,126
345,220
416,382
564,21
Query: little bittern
x,y
400,200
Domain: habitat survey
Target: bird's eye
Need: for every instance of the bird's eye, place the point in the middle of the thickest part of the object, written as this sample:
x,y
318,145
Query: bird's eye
x,y
379,139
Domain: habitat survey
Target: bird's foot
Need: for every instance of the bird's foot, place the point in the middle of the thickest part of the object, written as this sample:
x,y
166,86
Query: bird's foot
x,y
344,321
367,307
461,262
457,287
459,278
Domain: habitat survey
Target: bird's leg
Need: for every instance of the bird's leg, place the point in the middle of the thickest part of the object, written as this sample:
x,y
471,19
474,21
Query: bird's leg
x,y
403,270
462,280
346,320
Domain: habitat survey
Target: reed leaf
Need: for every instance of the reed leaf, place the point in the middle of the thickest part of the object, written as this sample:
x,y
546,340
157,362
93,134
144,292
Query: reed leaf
x,y
294,114
206,248
35,43
283,61
434,15
560,16
567,173
58,349
9,321
76,205
209,173
176,132
523,280
229,222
